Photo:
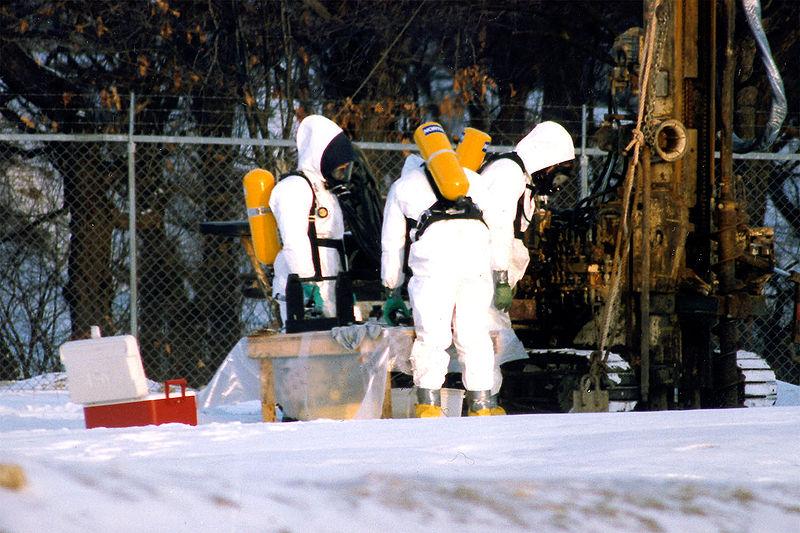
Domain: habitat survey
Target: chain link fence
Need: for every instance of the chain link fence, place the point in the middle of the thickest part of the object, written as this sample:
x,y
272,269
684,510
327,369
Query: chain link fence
x,y
68,203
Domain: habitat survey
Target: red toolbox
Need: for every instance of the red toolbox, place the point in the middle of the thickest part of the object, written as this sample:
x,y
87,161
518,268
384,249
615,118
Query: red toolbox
x,y
153,410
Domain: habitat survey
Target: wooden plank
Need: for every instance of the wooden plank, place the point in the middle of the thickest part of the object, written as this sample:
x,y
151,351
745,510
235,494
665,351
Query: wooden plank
x,y
267,391
307,344
386,411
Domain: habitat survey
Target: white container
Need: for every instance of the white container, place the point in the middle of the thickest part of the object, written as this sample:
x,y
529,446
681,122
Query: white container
x,y
452,401
403,403
104,369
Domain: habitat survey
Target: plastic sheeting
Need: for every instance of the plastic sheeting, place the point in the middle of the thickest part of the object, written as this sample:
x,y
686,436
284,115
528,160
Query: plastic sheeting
x,y
322,378
237,380
357,368
316,376
507,347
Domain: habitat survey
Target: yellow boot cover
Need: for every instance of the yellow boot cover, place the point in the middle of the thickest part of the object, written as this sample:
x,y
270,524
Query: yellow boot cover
x,y
482,403
425,410
488,411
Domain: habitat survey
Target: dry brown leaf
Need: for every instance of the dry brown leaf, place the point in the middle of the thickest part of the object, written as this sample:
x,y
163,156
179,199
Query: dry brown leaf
x,y
115,99
166,30
143,65
100,28
12,477
248,98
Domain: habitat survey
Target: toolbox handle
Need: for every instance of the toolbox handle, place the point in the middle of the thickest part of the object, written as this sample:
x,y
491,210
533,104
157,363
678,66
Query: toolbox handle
x,y
180,381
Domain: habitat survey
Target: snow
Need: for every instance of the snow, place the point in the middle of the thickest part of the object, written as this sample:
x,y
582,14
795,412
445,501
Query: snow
x,y
734,470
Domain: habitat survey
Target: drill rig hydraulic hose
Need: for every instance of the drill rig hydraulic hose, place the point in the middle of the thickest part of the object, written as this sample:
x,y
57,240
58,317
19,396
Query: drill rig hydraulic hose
x,y
777,114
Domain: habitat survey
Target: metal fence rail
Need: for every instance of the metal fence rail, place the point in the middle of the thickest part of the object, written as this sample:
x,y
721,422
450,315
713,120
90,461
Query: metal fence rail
x,y
180,291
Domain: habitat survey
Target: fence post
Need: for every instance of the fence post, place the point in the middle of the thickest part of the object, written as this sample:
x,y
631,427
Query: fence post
x,y
132,219
584,157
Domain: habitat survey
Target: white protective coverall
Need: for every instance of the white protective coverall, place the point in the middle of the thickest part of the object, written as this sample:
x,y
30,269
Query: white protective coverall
x,y
451,283
546,145
291,201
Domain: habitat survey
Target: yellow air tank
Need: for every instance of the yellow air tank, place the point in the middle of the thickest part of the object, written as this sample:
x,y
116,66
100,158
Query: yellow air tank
x,y
441,160
472,148
258,184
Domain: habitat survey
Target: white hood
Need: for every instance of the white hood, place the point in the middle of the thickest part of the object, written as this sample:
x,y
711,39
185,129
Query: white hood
x,y
313,136
547,144
412,162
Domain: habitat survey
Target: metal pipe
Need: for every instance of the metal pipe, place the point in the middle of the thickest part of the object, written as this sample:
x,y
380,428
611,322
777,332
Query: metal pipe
x,y
134,295
724,369
795,278
584,157
644,297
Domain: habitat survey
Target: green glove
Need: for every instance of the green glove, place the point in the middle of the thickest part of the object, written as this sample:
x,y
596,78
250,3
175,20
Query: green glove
x,y
394,304
503,296
311,293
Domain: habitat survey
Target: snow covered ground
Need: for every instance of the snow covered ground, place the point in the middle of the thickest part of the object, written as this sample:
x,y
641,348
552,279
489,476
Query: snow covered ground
x,y
735,470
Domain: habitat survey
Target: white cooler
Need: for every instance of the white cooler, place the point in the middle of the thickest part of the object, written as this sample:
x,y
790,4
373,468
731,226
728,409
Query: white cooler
x,y
104,369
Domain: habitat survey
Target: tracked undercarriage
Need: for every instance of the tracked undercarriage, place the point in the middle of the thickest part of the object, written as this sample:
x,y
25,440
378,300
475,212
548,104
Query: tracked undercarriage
x,y
546,381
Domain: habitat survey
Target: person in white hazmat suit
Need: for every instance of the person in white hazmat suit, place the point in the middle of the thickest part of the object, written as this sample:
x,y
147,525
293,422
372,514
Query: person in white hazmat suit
x,y
451,285
513,180
310,219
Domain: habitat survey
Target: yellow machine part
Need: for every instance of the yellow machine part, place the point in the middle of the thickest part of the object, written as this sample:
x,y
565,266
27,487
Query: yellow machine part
x,y
441,160
472,148
258,185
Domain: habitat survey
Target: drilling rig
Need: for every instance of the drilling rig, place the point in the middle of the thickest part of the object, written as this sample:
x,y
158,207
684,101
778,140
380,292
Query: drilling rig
x,y
636,295
658,263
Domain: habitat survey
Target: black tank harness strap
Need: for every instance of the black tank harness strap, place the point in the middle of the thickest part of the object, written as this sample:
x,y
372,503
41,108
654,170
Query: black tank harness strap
x,y
518,233
410,225
315,241
432,183
513,156
443,209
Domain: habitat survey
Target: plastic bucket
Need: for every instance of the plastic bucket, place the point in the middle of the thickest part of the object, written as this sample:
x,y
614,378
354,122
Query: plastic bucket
x,y
403,403
452,402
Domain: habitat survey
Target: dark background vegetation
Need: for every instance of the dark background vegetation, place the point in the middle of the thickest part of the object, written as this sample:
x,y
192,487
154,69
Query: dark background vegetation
x,y
377,67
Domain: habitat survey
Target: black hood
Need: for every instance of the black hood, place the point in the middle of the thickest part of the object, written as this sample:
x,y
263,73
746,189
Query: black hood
x,y
338,152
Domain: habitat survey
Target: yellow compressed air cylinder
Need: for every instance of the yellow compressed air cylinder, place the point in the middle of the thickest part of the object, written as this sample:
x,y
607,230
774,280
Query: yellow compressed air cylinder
x,y
472,148
438,153
258,185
